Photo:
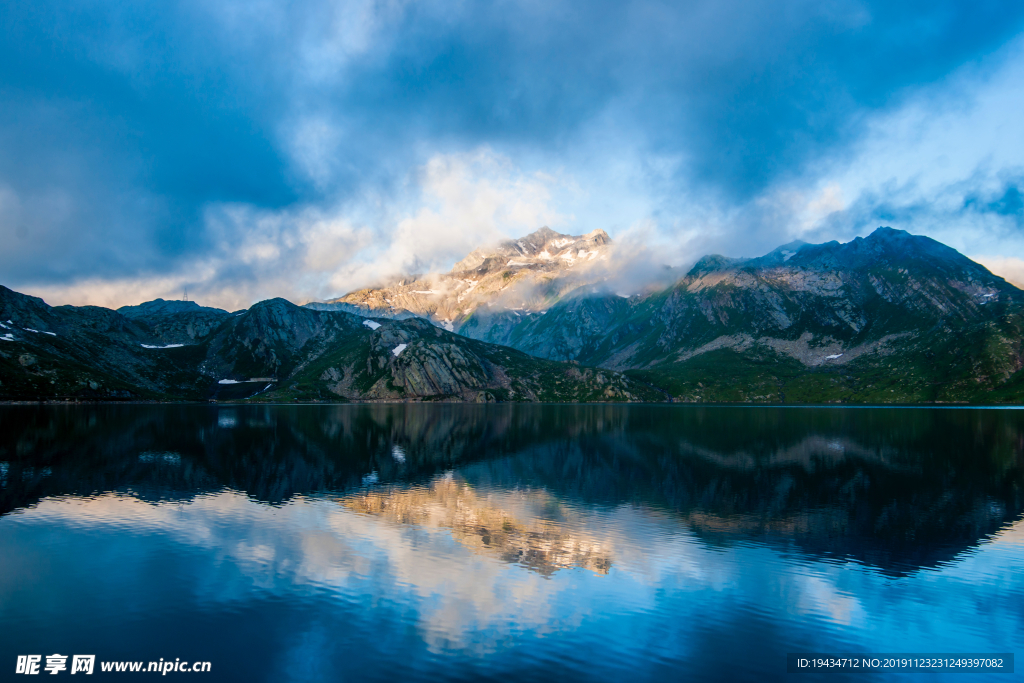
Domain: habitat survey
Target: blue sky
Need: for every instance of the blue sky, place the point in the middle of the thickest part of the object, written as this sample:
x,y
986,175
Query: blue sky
x,y
269,148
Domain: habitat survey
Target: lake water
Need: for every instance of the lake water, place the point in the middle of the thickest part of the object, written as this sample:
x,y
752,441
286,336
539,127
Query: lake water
x,y
453,542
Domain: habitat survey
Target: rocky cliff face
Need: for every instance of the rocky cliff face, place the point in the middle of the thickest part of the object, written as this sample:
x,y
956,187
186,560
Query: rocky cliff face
x,y
412,359
835,297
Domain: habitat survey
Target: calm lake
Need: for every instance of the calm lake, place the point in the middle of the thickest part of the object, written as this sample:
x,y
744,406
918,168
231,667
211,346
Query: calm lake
x,y
511,542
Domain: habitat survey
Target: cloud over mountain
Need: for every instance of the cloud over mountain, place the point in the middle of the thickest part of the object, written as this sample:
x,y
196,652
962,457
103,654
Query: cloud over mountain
x,y
149,147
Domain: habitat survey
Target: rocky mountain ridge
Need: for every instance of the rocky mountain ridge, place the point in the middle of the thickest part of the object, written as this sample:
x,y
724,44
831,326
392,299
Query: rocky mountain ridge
x,y
842,295
274,351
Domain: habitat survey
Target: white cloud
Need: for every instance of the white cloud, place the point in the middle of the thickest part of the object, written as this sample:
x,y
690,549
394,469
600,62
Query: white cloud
x,y
922,156
451,205
465,201
915,167
921,160
314,142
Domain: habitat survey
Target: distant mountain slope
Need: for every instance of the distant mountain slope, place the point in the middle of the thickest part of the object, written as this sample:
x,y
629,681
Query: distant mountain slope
x,y
275,350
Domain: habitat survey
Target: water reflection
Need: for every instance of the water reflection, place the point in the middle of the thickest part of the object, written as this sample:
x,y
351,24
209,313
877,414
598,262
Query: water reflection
x,y
467,543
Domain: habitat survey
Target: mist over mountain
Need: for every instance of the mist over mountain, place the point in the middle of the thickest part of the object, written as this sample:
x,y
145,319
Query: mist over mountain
x,y
513,276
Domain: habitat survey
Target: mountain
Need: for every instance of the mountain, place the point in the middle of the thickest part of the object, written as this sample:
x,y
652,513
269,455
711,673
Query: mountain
x,y
161,308
512,277
81,351
890,317
176,322
274,350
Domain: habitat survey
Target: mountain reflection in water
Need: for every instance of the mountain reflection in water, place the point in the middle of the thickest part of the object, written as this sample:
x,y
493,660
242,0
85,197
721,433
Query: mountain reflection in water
x,y
488,526
444,534
895,488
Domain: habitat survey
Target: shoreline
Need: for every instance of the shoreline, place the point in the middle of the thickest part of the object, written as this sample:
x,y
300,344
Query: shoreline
x,y
834,404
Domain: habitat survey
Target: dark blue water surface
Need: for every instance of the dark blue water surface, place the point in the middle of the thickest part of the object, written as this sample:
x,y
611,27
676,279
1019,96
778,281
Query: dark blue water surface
x,y
451,542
